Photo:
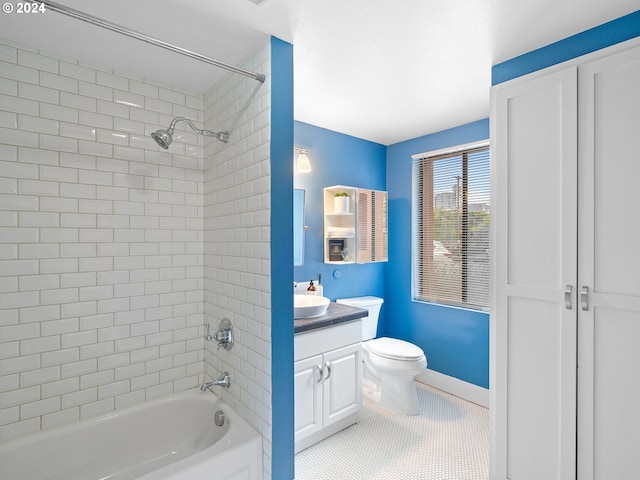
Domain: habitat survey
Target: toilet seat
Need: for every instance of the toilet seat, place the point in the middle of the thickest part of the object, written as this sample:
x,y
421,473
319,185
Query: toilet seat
x,y
394,349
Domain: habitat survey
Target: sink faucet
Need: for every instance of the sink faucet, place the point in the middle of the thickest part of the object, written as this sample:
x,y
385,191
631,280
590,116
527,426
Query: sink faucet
x,y
223,381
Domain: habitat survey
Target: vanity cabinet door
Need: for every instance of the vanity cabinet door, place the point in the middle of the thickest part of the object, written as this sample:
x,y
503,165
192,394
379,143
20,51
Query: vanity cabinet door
x,y
342,383
327,381
308,377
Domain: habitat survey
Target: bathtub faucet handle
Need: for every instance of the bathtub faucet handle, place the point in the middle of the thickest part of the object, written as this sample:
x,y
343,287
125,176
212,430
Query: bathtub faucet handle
x,y
224,335
208,337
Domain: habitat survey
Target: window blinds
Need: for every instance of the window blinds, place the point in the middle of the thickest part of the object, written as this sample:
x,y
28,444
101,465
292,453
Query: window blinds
x,y
451,227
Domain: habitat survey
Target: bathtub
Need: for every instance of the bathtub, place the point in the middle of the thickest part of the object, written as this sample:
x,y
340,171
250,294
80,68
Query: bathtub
x,y
166,439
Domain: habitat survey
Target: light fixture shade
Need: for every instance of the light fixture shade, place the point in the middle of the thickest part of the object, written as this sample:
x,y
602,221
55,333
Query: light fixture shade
x,y
303,164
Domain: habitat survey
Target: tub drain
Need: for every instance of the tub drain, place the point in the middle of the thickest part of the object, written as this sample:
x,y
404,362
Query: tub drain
x,y
218,418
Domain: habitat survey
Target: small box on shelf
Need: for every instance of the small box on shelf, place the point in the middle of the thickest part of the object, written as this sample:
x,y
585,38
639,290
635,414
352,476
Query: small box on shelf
x,y
336,247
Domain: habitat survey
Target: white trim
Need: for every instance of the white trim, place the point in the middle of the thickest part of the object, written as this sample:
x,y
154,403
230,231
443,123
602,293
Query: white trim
x,y
451,150
455,386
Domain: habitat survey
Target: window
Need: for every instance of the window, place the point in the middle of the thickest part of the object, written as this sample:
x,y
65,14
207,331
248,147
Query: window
x,y
451,227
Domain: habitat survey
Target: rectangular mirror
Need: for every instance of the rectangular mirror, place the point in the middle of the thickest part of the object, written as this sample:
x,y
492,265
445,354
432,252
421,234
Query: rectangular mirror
x,y
298,227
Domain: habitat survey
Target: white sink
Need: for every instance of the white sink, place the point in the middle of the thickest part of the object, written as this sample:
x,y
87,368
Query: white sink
x,y
309,306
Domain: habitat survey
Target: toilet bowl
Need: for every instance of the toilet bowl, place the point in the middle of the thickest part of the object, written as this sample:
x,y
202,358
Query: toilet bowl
x,y
390,364
390,368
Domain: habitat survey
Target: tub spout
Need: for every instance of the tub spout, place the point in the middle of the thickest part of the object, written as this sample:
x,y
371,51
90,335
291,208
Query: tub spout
x,y
223,381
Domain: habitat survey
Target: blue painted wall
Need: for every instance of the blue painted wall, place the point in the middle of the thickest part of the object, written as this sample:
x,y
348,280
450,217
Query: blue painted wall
x,y
337,159
455,340
282,454
602,36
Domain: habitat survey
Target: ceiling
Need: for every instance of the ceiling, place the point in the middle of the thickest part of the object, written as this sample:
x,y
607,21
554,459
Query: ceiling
x,y
381,70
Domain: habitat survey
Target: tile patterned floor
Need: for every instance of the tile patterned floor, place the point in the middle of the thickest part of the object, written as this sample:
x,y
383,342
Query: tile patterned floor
x,y
449,440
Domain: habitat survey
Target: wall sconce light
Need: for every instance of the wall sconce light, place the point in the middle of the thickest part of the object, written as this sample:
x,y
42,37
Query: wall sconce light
x,y
303,164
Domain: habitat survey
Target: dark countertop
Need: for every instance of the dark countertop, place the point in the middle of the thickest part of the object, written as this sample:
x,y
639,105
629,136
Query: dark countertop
x,y
336,313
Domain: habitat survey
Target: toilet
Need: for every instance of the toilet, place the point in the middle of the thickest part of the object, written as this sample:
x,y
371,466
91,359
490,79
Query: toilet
x,y
390,365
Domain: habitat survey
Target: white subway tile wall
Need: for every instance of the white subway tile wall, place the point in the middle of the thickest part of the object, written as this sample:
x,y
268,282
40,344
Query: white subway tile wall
x,y
104,277
237,262
101,245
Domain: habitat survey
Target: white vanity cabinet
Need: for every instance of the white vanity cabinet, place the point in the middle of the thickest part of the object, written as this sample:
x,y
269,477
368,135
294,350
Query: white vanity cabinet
x,y
565,324
327,381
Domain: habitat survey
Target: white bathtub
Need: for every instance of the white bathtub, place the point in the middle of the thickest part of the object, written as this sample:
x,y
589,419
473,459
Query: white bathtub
x,y
167,439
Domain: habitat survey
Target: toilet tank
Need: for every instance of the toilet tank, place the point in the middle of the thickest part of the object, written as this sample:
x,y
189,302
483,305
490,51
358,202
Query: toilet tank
x,y
370,322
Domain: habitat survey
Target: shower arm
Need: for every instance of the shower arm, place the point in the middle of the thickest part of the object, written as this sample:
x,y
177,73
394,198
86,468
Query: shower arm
x,y
85,17
222,136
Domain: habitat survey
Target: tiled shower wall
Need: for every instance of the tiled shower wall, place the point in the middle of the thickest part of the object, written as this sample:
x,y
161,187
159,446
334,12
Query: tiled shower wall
x,y
237,241
101,242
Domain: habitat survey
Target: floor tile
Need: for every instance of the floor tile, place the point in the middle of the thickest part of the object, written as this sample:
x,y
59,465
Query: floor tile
x,y
449,440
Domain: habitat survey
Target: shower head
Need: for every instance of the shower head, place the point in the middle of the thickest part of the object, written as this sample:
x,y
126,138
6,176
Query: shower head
x,y
162,138
165,137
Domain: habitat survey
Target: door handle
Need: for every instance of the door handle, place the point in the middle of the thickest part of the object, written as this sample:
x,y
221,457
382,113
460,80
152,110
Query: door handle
x,y
320,373
567,297
584,298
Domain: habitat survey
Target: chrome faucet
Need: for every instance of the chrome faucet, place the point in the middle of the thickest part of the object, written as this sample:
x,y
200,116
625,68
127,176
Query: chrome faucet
x,y
224,335
223,381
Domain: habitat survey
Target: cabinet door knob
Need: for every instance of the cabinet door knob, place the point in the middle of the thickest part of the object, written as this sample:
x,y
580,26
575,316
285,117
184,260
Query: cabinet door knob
x,y
320,373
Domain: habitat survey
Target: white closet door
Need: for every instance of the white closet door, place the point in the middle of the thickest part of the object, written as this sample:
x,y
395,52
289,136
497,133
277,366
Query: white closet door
x,y
534,142
609,266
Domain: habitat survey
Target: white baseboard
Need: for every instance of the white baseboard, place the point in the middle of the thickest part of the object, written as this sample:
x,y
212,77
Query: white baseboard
x,y
455,386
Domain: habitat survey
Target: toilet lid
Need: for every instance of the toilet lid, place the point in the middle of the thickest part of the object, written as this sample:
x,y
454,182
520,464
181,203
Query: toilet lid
x,y
394,349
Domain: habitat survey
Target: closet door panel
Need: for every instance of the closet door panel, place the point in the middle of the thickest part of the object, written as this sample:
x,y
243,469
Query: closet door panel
x,y
609,259
534,203
617,179
535,186
616,414
534,382
609,266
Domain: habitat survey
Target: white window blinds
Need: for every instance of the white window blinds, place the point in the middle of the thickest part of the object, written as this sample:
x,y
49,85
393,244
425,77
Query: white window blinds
x,y
451,227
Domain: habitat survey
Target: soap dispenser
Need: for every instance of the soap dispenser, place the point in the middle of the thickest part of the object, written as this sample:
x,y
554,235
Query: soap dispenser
x,y
311,290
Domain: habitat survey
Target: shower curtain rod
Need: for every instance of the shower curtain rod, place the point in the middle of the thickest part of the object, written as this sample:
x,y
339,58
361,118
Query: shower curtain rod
x,y
85,17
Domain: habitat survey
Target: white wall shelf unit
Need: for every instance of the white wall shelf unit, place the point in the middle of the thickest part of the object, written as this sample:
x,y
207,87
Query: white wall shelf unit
x,y
355,225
